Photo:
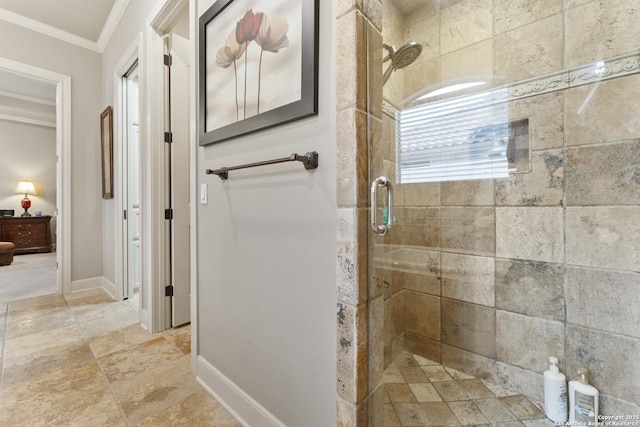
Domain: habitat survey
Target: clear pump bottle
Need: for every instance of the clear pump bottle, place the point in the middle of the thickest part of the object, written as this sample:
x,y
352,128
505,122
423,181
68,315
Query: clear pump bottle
x,y
555,393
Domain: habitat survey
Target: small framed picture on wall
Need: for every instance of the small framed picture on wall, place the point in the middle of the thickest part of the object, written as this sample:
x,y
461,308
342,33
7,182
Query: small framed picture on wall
x,y
106,137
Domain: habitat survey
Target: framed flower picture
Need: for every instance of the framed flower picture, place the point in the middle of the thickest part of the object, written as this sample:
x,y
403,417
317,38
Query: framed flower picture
x,y
258,66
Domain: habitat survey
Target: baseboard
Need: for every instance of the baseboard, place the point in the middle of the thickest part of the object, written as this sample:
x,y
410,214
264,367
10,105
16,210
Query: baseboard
x,y
86,284
109,287
240,405
94,283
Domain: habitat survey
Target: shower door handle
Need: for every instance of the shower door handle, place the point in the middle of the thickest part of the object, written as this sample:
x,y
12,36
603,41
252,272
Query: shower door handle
x,y
381,181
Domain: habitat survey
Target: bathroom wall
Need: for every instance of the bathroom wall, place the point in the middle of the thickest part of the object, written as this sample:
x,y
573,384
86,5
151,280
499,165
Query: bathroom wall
x,y
266,293
492,277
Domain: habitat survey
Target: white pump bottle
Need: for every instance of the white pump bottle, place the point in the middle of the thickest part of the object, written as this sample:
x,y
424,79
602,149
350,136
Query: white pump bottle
x,y
555,393
583,400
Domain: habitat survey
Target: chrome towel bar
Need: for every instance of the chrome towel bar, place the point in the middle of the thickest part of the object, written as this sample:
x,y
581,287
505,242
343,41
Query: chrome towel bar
x,y
309,160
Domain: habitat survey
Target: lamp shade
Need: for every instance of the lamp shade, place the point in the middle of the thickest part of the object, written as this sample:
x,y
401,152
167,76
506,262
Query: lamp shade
x,y
25,187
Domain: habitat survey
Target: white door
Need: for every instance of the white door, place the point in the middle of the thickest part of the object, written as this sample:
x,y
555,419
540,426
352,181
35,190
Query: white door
x,y
180,228
132,252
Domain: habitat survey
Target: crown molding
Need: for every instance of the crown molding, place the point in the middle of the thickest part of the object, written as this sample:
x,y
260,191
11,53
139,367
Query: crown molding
x,y
117,11
51,103
27,120
48,30
119,7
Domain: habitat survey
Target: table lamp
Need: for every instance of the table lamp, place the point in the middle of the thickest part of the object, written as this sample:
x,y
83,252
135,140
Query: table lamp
x,y
27,188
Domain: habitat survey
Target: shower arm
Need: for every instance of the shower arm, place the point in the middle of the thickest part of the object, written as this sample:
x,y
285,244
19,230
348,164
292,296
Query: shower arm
x,y
390,49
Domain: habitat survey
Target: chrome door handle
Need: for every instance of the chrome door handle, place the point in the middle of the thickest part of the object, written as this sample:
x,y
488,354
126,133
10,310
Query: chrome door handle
x,y
381,181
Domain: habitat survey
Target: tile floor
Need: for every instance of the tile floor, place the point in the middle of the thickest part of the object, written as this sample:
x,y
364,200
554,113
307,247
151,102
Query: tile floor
x,y
420,392
83,360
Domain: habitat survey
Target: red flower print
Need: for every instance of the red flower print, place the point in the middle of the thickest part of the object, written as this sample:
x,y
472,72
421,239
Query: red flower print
x,y
248,27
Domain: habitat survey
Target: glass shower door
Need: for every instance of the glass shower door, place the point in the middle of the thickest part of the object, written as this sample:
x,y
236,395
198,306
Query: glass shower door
x,y
509,137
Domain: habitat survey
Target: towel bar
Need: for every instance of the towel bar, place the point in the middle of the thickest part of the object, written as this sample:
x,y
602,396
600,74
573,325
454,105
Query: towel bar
x,y
309,160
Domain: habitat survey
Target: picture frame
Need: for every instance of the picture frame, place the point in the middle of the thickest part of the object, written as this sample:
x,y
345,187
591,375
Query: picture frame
x,y
106,142
258,66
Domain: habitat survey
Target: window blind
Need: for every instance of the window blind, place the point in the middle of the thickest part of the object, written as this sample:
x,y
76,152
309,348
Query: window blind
x,y
460,138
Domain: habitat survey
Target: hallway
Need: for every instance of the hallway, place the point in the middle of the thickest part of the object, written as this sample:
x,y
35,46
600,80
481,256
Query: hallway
x,y
83,360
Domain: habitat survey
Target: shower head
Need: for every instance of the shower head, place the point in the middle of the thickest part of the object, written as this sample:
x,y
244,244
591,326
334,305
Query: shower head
x,y
400,58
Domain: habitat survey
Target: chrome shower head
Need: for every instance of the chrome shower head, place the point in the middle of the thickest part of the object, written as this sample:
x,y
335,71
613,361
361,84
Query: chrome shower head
x,y
400,58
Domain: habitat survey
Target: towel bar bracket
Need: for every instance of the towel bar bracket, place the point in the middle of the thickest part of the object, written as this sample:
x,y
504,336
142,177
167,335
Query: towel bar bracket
x,y
309,160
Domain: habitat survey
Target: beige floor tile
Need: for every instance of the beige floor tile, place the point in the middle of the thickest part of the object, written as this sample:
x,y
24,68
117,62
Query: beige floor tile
x,y
47,392
405,359
28,312
450,391
494,410
155,390
135,360
390,417
436,373
411,414
180,337
499,391
453,398
423,361
198,409
101,319
425,392
95,409
61,317
60,354
457,375
393,376
120,339
91,297
32,343
399,393
521,407
38,303
475,389
439,414
468,413
413,374
46,362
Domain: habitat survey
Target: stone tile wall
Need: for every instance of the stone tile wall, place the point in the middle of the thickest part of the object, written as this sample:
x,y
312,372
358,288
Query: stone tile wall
x,y
491,277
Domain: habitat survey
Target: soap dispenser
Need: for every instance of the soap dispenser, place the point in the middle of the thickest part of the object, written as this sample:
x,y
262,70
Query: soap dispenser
x,y
555,393
583,400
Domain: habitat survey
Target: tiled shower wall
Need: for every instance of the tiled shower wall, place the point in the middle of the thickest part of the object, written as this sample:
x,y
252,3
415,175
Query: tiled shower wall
x,y
492,277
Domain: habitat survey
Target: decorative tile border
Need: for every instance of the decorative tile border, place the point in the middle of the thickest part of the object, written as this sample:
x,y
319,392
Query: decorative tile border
x,y
599,71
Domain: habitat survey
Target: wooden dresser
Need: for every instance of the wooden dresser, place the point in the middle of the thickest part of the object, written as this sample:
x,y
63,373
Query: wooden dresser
x,y
30,234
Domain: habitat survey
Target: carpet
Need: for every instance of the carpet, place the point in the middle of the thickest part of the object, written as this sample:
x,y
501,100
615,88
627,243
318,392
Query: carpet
x,y
28,276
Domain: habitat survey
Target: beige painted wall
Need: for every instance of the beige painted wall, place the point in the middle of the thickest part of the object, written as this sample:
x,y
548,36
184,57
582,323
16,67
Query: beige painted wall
x,y
28,153
267,263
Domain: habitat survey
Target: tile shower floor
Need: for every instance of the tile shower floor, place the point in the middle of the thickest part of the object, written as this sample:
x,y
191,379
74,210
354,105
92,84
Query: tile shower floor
x,y
420,392
83,360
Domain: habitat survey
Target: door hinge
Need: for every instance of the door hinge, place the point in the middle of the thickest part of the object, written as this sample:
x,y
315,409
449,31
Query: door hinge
x,y
124,214
168,214
168,291
168,137
167,60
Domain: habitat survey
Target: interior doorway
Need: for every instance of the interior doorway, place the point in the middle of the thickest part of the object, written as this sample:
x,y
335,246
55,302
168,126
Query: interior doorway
x,y
62,212
177,162
131,194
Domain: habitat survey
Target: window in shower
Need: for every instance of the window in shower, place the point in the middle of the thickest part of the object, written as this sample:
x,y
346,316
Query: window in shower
x,y
462,138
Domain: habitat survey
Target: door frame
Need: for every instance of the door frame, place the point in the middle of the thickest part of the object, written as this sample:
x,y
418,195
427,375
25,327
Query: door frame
x,y
132,54
63,164
160,22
